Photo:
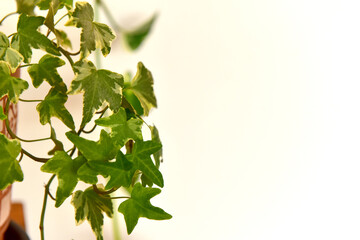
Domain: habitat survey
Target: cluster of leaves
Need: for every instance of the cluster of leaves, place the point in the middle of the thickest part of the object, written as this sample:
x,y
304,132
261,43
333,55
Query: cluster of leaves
x,y
121,155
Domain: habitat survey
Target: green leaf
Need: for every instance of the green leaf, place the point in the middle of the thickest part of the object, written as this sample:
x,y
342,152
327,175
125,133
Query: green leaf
x,y
98,86
93,35
2,115
135,37
142,86
65,169
86,173
141,159
26,6
102,150
120,171
10,85
122,130
8,54
90,206
53,106
139,206
45,4
158,156
46,70
28,37
9,149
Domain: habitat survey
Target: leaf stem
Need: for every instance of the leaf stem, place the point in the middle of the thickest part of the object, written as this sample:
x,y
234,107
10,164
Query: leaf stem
x,y
26,65
67,14
25,100
42,218
109,16
102,192
36,159
6,16
11,133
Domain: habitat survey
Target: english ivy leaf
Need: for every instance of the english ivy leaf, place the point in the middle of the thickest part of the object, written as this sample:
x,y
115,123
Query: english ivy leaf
x,y
120,171
26,6
2,115
122,130
90,206
141,159
28,37
10,85
53,7
135,37
46,70
142,86
45,4
53,106
93,35
158,156
102,150
86,173
65,169
9,149
8,54
63,39
139,206
98,86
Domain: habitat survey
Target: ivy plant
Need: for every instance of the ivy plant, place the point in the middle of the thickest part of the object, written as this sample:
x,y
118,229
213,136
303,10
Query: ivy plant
x,y
121,158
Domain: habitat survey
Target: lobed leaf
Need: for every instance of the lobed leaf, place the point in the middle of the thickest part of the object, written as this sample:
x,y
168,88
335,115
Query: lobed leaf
x,y
10,85
28,37
8,54
46,70
142,86
9,149
139,206
90,206
120,172
141,159
99,86
65,169
53,106
122,130
102,150
93,35
26,6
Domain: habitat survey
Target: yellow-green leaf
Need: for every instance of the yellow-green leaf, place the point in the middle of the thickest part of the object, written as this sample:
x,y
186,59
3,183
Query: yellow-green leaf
x,y
10,85
93,35
9,150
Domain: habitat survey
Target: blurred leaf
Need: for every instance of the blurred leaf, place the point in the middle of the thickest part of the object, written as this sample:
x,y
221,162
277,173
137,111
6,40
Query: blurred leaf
x,y
142,86
135,37
45,4
26,6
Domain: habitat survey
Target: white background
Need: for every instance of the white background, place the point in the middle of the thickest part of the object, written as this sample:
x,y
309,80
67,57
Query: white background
x,y
259,117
